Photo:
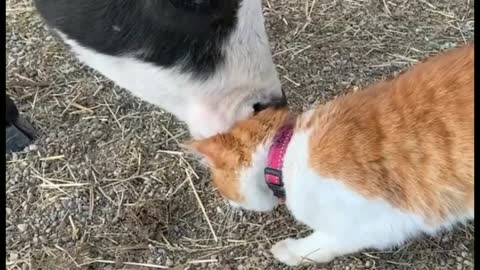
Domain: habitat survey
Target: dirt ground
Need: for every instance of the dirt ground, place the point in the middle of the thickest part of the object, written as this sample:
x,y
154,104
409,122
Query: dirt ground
x,y
107,186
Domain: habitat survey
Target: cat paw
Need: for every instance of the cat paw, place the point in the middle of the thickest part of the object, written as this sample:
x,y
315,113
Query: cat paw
x,y
293,252
283,252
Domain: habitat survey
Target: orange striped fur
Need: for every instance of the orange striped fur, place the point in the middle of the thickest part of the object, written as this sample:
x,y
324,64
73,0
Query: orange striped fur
x,y
408,141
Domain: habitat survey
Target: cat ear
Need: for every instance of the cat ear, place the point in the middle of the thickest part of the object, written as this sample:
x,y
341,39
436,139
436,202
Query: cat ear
x,y
209,150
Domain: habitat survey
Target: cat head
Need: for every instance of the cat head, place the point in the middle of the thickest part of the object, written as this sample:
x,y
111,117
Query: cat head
x,y
237,159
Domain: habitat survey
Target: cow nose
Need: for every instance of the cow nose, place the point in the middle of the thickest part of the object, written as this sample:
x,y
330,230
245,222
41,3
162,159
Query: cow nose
x,y
276,102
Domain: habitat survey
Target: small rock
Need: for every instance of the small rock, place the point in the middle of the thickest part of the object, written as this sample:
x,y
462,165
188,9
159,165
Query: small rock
x,y
26,236
71,204
448,45
65,204
368,264
13,256
33,147
66,239
446,238
97,133
22,227
169,262
8,211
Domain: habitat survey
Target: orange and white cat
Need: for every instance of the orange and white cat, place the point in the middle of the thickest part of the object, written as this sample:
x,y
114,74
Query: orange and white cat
x,y
368,170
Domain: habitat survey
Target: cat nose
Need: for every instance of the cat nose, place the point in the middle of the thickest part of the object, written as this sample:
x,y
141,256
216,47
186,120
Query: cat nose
x,y
275,102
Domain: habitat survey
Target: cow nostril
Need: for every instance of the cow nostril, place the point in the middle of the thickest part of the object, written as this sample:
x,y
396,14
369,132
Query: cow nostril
x,y
282,102
257,107
277,102
284,97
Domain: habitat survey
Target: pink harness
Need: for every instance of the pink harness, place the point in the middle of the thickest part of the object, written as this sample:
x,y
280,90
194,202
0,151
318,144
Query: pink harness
x,y
276,154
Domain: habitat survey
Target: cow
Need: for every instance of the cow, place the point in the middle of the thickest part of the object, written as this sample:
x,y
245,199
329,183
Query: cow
x,y
208,62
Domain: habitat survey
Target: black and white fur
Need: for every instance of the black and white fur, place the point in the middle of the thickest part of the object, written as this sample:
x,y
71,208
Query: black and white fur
x,y
206,61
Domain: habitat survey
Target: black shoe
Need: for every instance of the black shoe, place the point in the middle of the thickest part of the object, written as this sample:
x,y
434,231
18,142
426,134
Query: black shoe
x,y
19,133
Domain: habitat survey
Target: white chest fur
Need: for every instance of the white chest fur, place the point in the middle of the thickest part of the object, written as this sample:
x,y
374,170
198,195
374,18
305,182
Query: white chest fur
x,y
343,221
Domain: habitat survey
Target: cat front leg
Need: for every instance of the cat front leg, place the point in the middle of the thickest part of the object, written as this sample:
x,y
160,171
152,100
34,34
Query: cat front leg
x,y
315,248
